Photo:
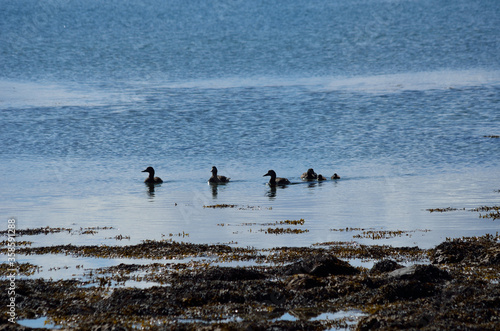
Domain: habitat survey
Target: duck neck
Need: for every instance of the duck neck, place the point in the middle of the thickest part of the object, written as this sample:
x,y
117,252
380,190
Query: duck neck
x,y
272,181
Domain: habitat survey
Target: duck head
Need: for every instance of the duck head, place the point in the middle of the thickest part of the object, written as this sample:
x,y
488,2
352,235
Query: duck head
x,y
214,171
150,170
270,173
310,172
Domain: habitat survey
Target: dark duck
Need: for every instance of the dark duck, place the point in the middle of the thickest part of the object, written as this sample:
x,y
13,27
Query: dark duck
x,y
309,175
217,179
335,176
276,180
151,180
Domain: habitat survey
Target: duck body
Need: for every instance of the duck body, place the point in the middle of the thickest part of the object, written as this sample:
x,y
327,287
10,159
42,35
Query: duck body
x,y
276,181
216,179
335,176
151,180
309,175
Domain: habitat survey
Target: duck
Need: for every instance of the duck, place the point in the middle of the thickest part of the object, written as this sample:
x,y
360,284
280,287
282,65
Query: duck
x,y
321,178
152,179
217,179
309,174
335,176
276,180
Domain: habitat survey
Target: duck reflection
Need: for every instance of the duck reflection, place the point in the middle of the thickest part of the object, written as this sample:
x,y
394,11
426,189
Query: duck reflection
x,y
271,193
215,189
151,190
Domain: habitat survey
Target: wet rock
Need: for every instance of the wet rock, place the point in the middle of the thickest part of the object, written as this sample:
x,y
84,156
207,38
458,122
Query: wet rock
x,y
397,322
407,290
450,252
455,305
232,274
108,327
481,250
385,266
320,266
369,323
421,272
491,258
303,282
409,283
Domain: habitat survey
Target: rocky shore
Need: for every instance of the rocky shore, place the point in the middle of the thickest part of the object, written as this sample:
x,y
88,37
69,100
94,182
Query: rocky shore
x,y
453,286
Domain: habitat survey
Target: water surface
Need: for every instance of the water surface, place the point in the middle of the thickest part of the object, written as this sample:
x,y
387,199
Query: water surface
x,y
400,98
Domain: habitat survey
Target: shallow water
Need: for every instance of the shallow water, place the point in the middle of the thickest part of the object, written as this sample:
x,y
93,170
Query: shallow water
x,y
41,322
402,112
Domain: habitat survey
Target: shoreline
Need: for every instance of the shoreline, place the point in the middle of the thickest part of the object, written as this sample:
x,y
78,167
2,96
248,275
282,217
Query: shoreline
x,y
454,285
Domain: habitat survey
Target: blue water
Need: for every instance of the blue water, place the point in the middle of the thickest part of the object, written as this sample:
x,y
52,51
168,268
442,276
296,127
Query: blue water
x,y
394,96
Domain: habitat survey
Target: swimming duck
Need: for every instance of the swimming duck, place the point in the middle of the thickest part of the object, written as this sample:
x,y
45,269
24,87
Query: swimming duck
x,y
310,174
217,179
152,179
320,177
276,181
335,176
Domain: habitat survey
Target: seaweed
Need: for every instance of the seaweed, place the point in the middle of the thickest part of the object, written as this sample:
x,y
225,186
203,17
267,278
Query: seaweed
x,y
459,290
442,210
385,234
49,230
494,212
284,231
220,206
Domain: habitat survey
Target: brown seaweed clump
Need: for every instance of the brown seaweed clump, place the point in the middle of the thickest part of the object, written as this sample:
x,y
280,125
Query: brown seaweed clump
x,y
480,251
492,212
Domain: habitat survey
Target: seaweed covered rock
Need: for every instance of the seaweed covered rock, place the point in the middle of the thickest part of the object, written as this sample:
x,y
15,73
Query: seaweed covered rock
x,y
320,266
481,250
407,290
454,305
421,272
108,327
232,274
385,266
492,257
454,251
303,282
409,283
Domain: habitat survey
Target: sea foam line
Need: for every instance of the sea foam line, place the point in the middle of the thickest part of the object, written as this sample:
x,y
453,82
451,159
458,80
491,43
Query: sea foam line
x,y
386,83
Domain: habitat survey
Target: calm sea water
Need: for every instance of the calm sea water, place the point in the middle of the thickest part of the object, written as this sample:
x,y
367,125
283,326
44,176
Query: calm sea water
x,y
397,97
